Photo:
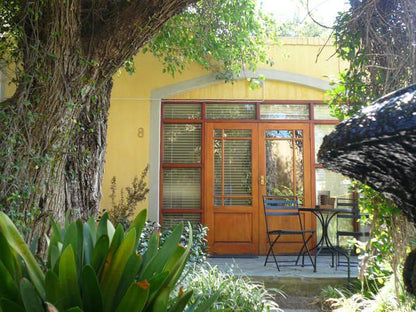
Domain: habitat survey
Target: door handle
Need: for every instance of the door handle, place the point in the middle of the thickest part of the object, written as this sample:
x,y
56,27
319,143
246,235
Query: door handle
x,y
261,180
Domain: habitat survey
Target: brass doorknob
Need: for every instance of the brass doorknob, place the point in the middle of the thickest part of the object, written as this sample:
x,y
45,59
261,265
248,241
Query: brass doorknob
x,y
261,180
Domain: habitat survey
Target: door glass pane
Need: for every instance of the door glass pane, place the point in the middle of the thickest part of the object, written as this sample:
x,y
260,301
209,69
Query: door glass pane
x,y
237,133
181,143
231,111
182,111
284,111
232,170
322,112
237,167
218,133
320,132
279,134
299,167
218,162
285,164
181,188
279,167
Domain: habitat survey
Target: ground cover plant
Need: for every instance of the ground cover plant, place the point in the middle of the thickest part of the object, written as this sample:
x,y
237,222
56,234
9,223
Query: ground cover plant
x,y
94,268
235,291
385,299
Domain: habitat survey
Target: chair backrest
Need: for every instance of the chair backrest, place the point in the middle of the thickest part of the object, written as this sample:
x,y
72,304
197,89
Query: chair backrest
x,y
347,203
281,206
352,213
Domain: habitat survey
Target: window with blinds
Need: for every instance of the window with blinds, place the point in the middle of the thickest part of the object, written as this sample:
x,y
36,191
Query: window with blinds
x,y
181,164
231,111
182,150
182,143
284,111
182,111
181,188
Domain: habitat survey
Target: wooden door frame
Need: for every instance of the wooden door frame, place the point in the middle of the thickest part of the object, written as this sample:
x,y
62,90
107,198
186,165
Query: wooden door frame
x,y
210,210
309,198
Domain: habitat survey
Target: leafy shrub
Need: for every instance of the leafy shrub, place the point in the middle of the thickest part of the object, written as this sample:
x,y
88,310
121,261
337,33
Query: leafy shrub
x,y
384,299
93,268
198,253
122,210
235,292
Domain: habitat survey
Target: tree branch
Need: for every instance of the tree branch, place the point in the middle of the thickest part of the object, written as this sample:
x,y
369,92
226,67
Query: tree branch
x,y
123,29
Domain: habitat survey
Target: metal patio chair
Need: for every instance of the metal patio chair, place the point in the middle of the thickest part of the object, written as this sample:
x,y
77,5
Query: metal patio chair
x,y
285,206
353,215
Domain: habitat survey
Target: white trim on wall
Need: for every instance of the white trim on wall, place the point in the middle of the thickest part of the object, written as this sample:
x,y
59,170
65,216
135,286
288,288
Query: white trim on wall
x,y
155,111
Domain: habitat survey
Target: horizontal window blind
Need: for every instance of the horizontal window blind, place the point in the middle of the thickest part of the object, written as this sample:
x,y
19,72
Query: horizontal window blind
x,y
182,143
232,172
231,111
172,219
181,188
284,111
182,111
322,112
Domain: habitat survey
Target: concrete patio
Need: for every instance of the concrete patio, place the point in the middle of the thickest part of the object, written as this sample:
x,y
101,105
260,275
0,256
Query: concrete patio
x,y
293,280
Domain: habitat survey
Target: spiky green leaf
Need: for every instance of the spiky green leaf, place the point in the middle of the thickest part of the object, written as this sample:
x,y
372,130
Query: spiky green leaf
x,y
135,298
30,297
164,254
68,279
114,269
92,299
19,246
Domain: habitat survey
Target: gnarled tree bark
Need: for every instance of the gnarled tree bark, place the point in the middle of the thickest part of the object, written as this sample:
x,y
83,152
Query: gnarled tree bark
x,y
70,51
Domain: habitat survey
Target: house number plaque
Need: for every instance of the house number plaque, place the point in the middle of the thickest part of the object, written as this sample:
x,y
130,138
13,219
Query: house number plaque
x,y
140,132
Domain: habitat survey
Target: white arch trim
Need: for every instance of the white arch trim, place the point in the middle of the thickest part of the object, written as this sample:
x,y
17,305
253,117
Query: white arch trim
x,y
197,83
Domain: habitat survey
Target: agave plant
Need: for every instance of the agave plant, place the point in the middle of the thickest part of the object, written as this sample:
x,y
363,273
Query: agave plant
x,y
93,268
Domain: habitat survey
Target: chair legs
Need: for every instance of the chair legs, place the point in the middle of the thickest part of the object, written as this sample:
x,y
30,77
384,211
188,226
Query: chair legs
x,y
302,253
308,252
272,252
342,252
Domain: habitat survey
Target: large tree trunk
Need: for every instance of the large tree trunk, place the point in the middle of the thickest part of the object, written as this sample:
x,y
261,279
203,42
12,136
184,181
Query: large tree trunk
x,y
53,130
85,166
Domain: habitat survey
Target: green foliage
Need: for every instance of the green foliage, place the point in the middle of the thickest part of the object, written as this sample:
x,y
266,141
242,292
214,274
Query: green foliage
x,y
225,36
385,299
198,253
236,292
300,28
9,30
124,209
384,251
376,38
93,268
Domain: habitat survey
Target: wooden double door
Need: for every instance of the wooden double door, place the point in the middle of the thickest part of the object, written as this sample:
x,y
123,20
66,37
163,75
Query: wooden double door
x,y
244,162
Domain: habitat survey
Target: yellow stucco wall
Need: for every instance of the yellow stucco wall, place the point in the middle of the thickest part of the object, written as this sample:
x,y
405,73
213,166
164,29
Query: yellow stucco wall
x,y
127,153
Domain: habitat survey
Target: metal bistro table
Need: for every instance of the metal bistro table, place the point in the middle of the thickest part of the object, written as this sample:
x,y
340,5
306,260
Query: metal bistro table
x,y
325,214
